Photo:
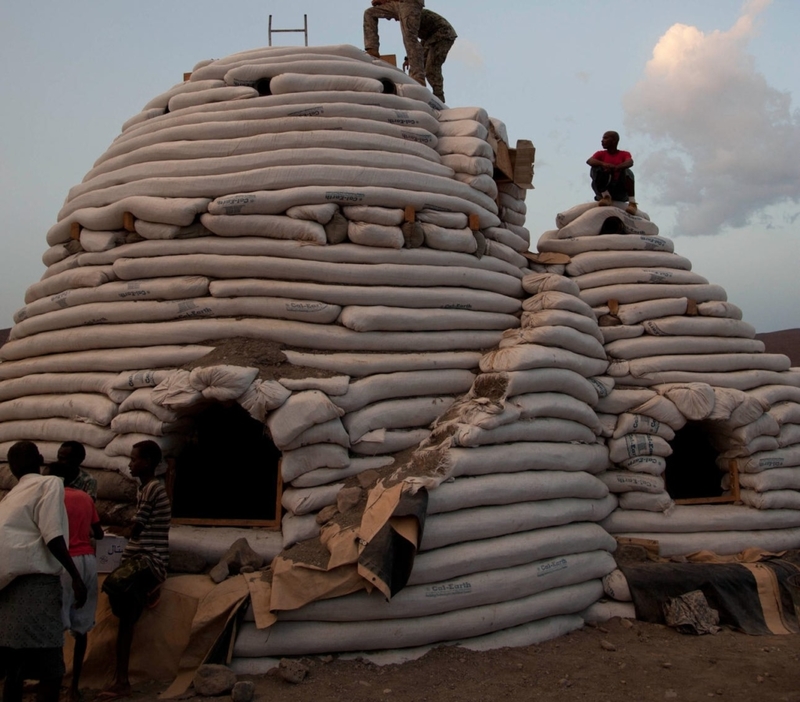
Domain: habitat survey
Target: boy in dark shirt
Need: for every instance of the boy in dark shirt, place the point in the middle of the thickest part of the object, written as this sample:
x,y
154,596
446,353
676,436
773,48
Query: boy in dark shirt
x,y
611,176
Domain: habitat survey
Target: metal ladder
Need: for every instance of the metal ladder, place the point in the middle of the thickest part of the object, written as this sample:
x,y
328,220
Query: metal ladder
x,y
303,29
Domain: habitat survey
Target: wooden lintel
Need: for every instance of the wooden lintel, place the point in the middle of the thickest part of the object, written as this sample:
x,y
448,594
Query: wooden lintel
x,y
721,500
128,221
75,231
410,214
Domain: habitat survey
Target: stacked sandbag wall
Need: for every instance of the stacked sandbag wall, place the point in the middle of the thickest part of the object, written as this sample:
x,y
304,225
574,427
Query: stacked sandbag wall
x,y
679,352
511,552
308,196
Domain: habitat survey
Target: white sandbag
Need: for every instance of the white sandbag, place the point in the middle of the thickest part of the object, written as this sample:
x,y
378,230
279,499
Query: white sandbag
x,y
321,214
775,479
499,250
461,240
621,400
380,318
510,488
723,543
757,445
330,386
658,366
556,337
262,396
101,241
699,326
631,276
56,383
525,634
615,585
666,345
774,499
388,217
662,410
719,309
228,266
651,309
562,318
397,385
623,481
140,422
56,254
181,211
507,551
487,522
76,278
122,444
175,288
161,101
636,445
570,215
79,407
789,435
222,383
787,457
701,518
464,127
551,242
620,332
308,500
379,442
535,283
295,529
271,226
559,430
531,356
176,391
659,502
640,424
447,220
607,424
638,292
395,414
330,432
556,300
590,223
455,114
543,380
300,412
142,399
512,458
330,474
309,458
299,83
555,405
477,589
482,183
138,379
55,429
772,394
765,425
205,97
604,260
413,298
654,465
305,638
365,364
473,165
695,401
507,237
467,146
367,234
786,413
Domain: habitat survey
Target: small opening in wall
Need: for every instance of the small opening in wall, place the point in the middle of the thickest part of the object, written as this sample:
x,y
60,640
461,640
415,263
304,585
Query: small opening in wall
x,y
692,475
228,472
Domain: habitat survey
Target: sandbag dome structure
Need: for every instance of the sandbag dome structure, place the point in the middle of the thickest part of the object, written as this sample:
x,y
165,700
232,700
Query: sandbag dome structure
x,y
320,200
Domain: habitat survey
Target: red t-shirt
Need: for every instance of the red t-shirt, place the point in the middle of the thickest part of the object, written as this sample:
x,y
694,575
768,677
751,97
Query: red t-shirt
x,y
612,159
82,514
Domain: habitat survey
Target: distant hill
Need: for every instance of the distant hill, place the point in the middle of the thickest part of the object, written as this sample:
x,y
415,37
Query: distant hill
x,y
786,342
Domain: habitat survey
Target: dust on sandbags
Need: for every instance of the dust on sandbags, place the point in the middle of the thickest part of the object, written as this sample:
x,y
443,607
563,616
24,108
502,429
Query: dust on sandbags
x,y
267,356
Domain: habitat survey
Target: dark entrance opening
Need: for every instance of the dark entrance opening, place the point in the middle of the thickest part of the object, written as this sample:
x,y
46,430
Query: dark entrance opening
x,y
227,472
692,472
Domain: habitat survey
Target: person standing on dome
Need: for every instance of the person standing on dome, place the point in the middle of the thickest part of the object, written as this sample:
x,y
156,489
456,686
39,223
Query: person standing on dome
x,y
611,176
437,36
408,13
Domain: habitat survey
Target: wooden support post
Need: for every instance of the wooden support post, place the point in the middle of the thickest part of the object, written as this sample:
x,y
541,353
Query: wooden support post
x,y
186,76
523,157
613,307
410,214
474,222
734,472
128,222
691,308
74,231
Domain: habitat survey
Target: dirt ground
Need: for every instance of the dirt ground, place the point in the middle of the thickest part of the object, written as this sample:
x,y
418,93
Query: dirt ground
x,y
615,662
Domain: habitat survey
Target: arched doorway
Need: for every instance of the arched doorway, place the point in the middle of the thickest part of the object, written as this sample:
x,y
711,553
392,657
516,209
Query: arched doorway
x,y
228,471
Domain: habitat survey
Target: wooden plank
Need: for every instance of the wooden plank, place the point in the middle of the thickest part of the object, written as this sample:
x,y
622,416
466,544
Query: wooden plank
x,y
391,59
547,258
186,76
128,222
504,169
734,472
75,231
721,500
523,158
264,523
613,306
691,308
410,214
474,222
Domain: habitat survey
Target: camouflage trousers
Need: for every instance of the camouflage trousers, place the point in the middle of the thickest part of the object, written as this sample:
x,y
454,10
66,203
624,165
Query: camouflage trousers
x,y
435,55
408,14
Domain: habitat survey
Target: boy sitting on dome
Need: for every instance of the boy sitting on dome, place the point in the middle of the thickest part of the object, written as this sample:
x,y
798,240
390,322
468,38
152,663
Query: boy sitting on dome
x,y
611,176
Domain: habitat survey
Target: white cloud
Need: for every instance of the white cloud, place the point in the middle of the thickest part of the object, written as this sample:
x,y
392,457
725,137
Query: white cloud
x,y
729,141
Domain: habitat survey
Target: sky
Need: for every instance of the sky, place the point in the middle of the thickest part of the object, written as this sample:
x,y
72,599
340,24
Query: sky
x,y
705,95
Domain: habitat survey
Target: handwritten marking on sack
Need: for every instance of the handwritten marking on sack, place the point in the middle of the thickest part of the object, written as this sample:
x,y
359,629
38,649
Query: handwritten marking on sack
x,y
341,196
61,299
316,111
134,293
653,243
418,138
305,306
98,320
456,306
448,589
551,567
